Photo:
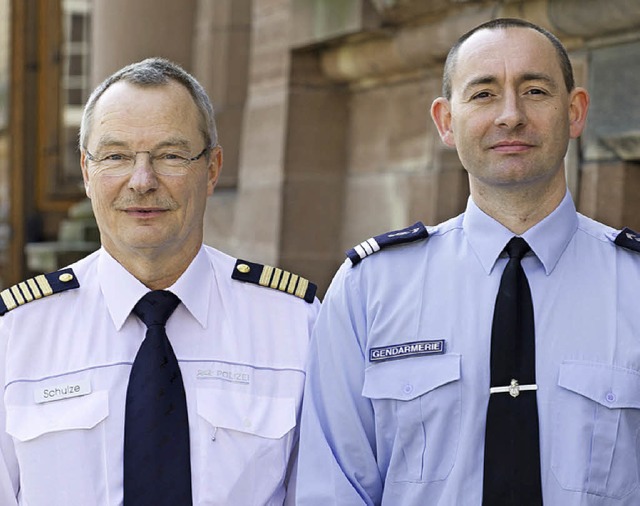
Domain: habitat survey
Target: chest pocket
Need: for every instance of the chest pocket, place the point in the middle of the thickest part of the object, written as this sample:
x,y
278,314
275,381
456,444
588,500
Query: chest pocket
x,y
26,423
422,397
61,448
267,417
595,438
244,445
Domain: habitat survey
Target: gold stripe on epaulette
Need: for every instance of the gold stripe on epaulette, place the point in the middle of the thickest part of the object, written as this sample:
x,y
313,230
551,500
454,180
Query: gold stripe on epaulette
x,y
284,281
44,285
303,284
292,284
275,281
8,299
26,293
34,288
15,291
265,277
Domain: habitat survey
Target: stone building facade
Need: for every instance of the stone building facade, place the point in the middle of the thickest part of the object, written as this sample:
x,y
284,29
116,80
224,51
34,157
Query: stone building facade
x,y
323,112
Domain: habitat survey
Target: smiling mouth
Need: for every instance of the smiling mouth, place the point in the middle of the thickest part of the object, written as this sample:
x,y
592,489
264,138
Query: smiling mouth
x,y
511,147
144,212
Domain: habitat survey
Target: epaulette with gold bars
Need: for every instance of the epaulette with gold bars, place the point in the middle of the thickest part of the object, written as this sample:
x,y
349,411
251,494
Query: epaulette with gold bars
x,y
37,288
272,277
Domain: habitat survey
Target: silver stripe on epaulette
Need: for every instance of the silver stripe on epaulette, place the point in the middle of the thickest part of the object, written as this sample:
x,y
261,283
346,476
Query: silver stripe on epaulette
x,y
366,248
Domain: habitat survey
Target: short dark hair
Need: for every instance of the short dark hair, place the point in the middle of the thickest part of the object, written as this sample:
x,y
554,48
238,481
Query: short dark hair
x,y
502,23
154,72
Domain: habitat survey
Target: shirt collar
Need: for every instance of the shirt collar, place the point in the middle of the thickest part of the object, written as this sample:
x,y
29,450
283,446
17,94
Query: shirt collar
x,y
122,290
547,239
194,287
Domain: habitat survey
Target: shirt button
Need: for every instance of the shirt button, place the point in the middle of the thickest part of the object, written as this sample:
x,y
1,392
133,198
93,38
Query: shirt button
x,y
408,388
610,397
247,423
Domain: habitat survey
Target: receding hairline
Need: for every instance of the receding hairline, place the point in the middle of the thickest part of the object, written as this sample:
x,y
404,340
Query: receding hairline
x,y
169,83
154,72
505,24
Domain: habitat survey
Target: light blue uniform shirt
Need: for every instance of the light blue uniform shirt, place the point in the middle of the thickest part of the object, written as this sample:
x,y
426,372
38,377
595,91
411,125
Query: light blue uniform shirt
x,y
410,431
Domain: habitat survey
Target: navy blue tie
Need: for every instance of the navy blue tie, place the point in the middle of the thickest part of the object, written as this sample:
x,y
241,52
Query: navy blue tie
x,y
512,453
157,467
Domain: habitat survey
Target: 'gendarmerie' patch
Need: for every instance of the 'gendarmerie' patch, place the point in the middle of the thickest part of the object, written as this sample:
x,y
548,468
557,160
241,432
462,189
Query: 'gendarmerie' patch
x,y
272,277
37,288
628,239
370,246
405,350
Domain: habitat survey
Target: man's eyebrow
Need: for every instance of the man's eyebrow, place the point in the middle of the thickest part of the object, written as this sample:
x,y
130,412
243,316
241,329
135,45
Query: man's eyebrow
x,y
538,76
174,142
524,78
108,140
478,81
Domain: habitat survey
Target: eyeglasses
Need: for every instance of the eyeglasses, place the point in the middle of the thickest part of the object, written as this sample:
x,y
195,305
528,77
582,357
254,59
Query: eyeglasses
x,y
165,162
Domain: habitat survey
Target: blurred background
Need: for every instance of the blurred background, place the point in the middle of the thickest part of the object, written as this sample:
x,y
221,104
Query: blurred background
x,y
322,108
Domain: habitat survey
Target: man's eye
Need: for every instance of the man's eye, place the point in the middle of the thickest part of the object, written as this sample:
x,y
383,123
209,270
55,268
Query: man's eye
x,y
171,156
115,157
536,91
481,95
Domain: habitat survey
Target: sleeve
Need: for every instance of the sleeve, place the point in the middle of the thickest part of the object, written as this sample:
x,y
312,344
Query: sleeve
x,y
9,474
292,469
337,462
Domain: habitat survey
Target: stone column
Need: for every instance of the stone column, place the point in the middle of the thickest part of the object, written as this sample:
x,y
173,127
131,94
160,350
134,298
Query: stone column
x,y
315,170
125,31
221,47
258,216
610,193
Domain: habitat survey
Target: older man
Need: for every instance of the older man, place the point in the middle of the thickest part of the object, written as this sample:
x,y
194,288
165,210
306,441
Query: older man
x,y
155,371
493,359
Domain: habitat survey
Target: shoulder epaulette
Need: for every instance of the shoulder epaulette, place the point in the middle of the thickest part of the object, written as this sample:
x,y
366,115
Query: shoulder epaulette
x,y
370,246
629,239
37,288
273,277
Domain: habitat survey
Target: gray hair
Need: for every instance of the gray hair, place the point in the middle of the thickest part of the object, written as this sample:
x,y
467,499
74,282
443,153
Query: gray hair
x,y
154,72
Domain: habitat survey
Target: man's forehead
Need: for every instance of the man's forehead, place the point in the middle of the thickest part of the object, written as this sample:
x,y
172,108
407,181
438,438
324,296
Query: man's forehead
x,y
503,41
120,90
152,113
490,52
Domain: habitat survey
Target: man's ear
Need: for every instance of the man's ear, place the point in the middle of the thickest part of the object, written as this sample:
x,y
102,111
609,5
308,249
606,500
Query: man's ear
x,y
578,107
441,115
85,173
214,169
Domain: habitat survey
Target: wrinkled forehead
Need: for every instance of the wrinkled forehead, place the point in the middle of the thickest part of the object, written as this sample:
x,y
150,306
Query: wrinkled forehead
x,y
127,97
135,110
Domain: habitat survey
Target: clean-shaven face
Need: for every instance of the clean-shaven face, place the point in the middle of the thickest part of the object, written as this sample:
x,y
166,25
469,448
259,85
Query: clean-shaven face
x,y
510,112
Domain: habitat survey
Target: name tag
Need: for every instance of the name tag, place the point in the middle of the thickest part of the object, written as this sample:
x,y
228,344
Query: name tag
x,y
62,391
228,375
406,350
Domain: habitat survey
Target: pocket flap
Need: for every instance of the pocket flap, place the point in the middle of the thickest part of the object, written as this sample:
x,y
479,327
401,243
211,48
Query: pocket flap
x,y
29,422
406,379
613,387
269,417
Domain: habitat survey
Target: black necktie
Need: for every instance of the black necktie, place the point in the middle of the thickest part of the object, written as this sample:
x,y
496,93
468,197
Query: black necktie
x,y
512,453
157,468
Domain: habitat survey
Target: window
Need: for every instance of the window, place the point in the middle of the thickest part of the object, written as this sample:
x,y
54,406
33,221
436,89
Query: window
x,y
75,77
